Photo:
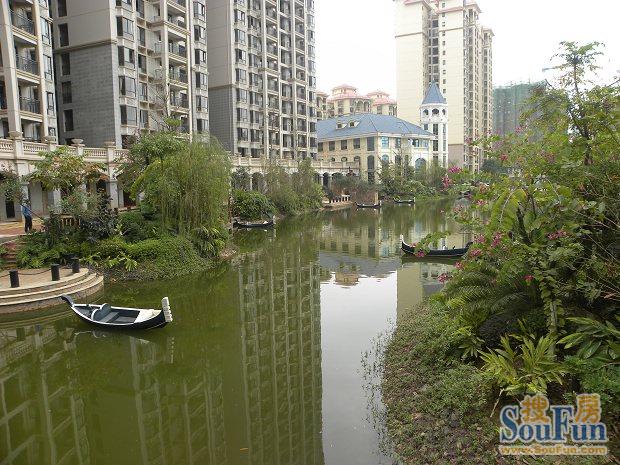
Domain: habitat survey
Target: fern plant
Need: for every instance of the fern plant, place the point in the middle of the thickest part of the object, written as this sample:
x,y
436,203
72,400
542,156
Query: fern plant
x,y
594,340
528,369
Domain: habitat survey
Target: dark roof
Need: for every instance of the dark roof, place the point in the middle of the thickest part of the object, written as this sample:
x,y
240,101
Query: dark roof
x,y
433,95
368,124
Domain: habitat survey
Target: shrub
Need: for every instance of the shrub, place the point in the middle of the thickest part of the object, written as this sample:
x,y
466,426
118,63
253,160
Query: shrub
x,y
251,205
209,241
111,248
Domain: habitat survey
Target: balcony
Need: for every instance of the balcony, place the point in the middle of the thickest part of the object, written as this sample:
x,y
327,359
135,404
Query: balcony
x,y
30,104
22,22
27,65
178,76
177,49
179,101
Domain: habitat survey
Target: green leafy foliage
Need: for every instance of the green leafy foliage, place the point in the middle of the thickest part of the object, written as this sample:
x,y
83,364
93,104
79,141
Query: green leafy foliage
x,y
251,205
528,369
594,340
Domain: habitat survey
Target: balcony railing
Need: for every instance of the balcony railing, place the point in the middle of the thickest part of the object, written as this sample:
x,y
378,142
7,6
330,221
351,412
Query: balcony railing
x,y
26,64
30,104
22,22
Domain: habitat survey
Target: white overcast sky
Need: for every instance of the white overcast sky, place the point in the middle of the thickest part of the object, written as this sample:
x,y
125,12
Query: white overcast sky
x,y
355,38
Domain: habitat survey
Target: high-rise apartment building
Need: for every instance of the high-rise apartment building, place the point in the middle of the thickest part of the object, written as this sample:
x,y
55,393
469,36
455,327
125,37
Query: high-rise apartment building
x,y
262,82
27,101
443,41
509,102
127,66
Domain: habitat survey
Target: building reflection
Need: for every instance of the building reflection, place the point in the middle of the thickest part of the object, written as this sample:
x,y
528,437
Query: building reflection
x,y
240,384
42,417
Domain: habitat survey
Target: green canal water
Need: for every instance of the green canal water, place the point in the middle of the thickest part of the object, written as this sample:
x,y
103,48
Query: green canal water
x,y
263,364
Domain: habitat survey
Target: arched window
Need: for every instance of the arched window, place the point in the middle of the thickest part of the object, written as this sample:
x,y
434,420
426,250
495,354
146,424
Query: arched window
x,y
444,111
435,112
371,162
344,159
425,112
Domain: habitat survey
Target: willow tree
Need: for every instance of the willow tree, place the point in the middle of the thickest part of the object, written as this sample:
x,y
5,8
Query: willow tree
x,y
189,188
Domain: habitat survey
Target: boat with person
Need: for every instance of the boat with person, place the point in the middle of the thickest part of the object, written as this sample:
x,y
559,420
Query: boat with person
x,y
436,253
109,317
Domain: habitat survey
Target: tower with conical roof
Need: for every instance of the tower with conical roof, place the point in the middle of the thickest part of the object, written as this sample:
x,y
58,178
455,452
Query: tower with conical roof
x,y
434,118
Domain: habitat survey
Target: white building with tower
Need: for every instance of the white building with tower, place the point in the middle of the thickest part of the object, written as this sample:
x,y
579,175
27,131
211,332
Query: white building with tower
x,y
434,118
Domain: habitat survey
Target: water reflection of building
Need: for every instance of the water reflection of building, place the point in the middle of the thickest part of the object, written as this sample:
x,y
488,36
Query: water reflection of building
x,y
42,419
281,354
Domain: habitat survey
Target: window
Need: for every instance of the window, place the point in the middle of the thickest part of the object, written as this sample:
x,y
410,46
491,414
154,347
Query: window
x,y
385,142
320,146
49,72
239,36
332,146
51,106
63,34
202,81
127,86
435,146
199,10
240,55
124,27
436,129
398,143
65,89
124,2
242,134
370,144
68,117
242,95
142,63
242,114
343,145
201,57
200,34
239,16
65,64
202,103
126,57
62,7
46,31
241,75
129,115
357,143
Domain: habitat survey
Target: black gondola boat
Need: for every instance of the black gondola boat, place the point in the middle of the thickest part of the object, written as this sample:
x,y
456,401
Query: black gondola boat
x,y
254,224
108,317
436,253
404,202
367,205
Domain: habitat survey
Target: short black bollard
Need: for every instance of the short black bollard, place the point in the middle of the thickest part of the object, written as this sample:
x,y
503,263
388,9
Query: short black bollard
x,y
14,277
55,272
75,265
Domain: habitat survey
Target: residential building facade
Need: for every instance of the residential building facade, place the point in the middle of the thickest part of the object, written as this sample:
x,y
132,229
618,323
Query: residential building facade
x,y
509,104
262,83
27,94
443,41
371,140
346,100
125,67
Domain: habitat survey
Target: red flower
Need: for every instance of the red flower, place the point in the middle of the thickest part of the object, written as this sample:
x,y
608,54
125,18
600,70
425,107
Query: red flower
x,y
529,278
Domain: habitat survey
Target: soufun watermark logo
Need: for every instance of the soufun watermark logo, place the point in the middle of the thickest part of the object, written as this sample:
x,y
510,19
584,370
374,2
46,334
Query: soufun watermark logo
x,y
535,427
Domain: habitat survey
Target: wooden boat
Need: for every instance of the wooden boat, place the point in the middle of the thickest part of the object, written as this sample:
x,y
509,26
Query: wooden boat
x,y
404,202
436,253
367,205
108,317
253,224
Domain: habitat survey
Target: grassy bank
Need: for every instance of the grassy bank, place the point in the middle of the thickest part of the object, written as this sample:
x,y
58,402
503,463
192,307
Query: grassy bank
x,y
438,408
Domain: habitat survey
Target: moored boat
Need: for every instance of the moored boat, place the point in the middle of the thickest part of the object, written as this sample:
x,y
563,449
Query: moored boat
x,y
436,253
404,202
253,224
368,205
109,317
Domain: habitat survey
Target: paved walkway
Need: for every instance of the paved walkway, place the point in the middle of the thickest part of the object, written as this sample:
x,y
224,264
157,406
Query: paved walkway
x,y
16,228
30,278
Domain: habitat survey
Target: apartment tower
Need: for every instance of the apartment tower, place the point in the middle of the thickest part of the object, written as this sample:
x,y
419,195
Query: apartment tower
x,y
262,82
125,67
27,102
443,41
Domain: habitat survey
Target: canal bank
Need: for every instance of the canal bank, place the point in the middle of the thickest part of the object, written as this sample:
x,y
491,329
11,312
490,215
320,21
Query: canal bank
x,y
263,363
